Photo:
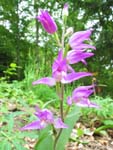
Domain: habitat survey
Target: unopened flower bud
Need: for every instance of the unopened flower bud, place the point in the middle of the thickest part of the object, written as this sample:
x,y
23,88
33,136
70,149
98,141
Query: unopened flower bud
x,y
65,10
47,22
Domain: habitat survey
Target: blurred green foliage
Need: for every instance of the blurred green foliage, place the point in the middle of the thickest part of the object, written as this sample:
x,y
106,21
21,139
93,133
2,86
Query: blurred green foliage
x,y
25,43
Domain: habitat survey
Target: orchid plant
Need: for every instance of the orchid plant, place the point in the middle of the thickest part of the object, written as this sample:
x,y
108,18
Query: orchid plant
x,y
55,130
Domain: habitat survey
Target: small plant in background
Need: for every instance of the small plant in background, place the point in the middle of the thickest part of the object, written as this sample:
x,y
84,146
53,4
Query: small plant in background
x,y
30,70
10,72
55,130
102,118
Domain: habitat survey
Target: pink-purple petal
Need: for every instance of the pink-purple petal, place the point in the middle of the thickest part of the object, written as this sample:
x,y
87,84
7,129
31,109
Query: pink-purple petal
x,y
45,115
74,76
59,64
70,69
69,101
85,102
47,80
79,37
82,88
59,124
77,40
65,9
80,96
84,62
75,57
47,21
82,47
34,125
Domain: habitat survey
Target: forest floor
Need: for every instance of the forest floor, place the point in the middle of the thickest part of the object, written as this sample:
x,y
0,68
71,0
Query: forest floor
x,y
85,141
91,141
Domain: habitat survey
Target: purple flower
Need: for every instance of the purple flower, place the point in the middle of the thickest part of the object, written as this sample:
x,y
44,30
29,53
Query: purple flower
x,y
77,56
45,117
65,9
61,72
77,39
47,21
59,67
80,97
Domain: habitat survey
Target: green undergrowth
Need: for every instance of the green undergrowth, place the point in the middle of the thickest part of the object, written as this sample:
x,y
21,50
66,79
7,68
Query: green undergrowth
x,y
101,118
24,101
103,112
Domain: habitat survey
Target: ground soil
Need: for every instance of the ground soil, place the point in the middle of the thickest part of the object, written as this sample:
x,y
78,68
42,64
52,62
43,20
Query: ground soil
x,y
89,141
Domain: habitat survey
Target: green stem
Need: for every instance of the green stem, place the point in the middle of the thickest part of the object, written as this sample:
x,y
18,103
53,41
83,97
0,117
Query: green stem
x,y
57,39
61,110
63,32
61,91
67,47
56,139
58,90
67,110
61,102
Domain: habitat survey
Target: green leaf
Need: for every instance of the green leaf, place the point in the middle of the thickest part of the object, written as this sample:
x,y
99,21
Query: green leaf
x,y
5,145
48,102
65,135
31,134
108,122
104,127
2,145
10,124
80,132
45,141
13,65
